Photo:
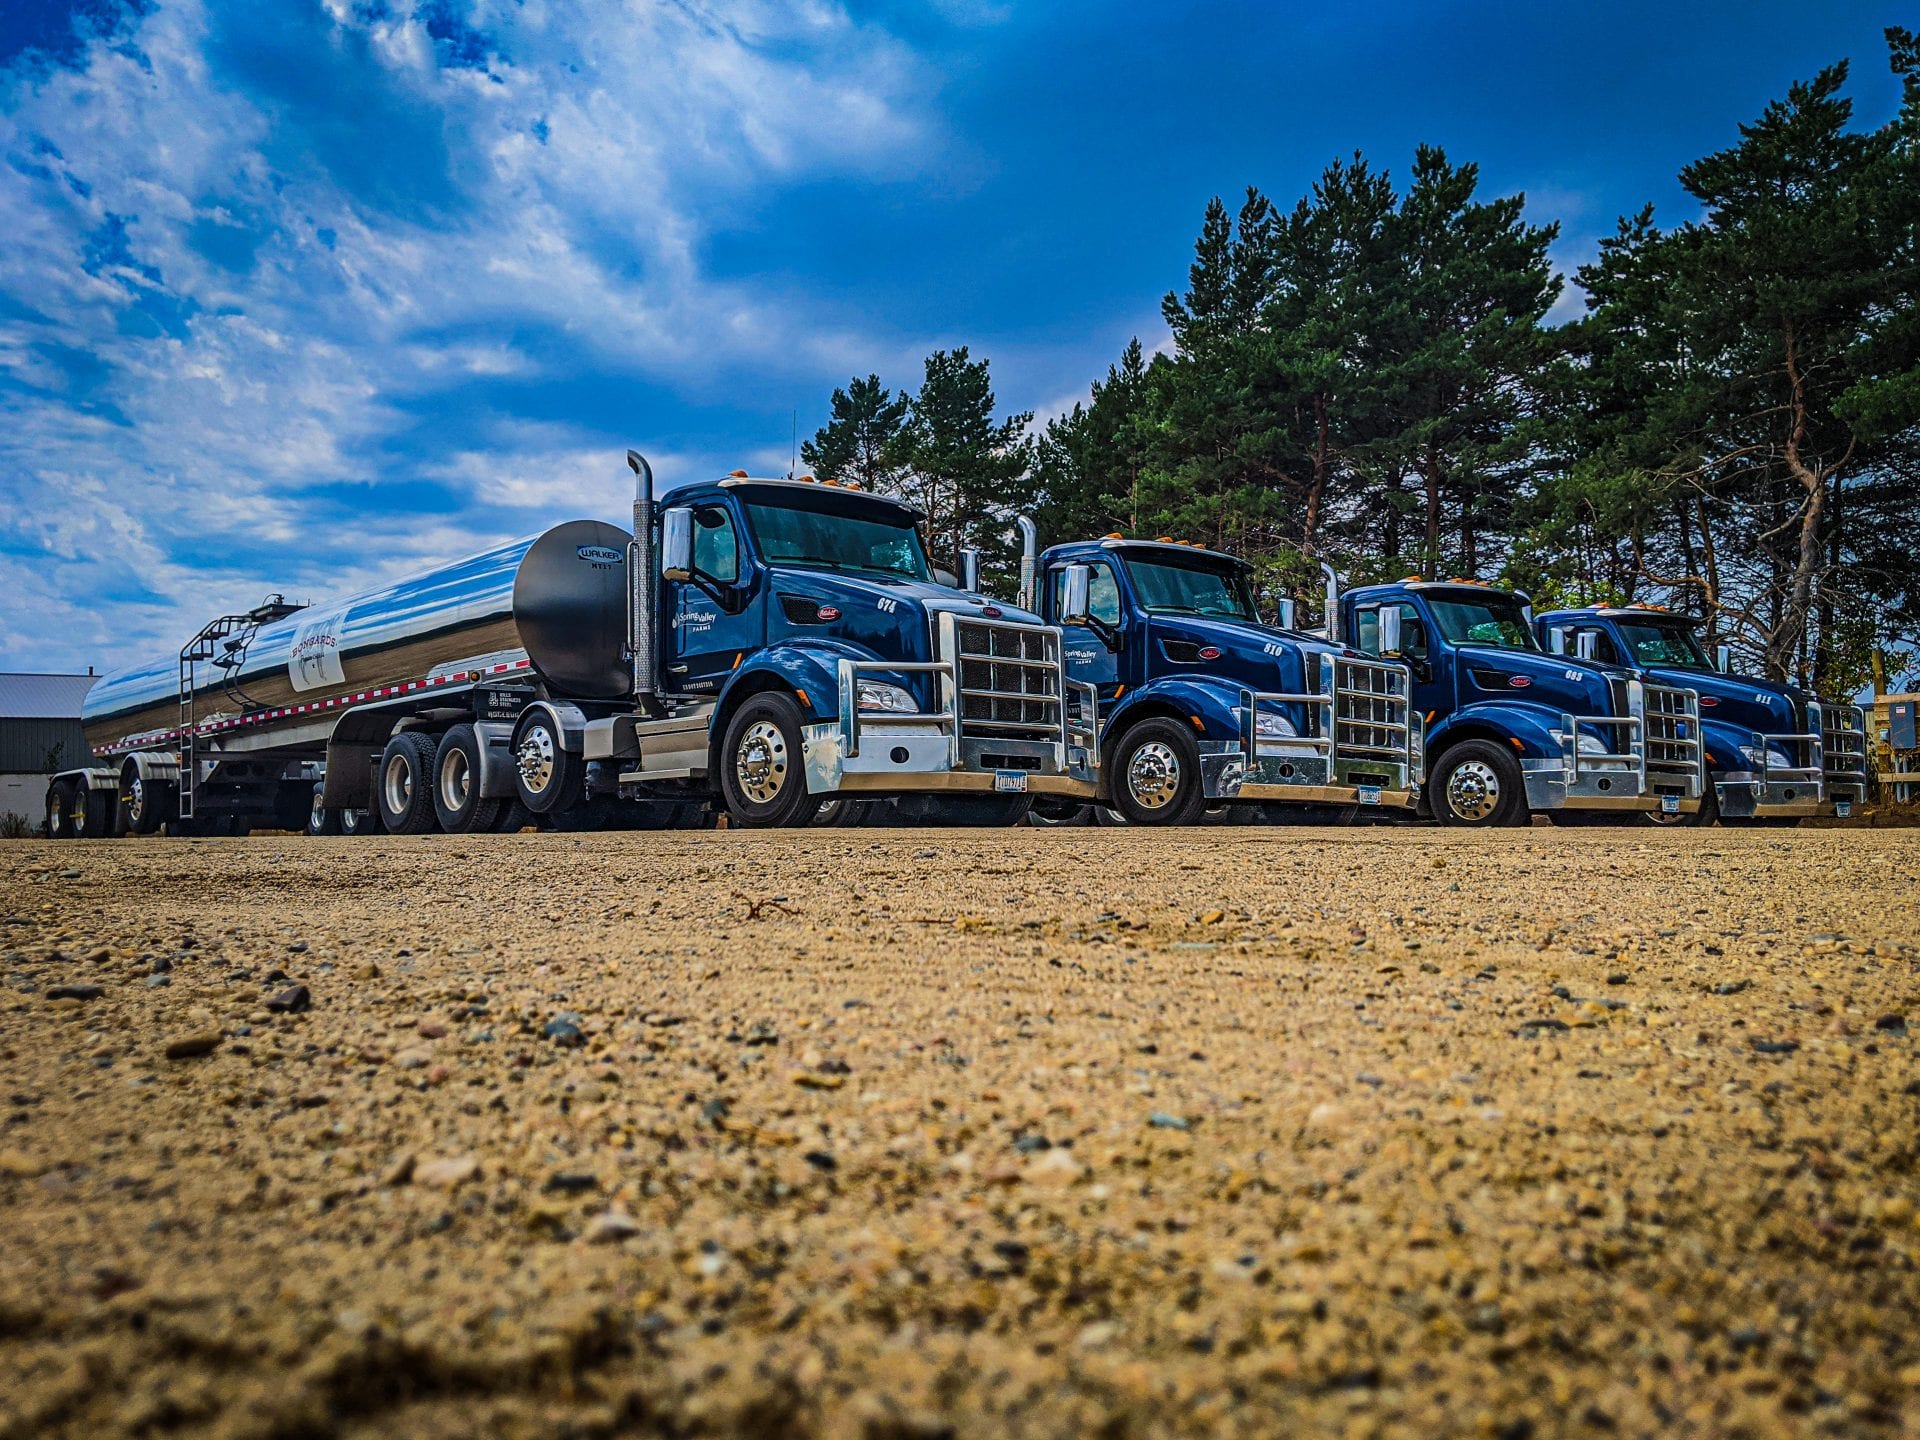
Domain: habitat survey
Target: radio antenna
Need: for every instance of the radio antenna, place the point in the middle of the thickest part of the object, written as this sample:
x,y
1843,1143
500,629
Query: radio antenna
x,y
793,455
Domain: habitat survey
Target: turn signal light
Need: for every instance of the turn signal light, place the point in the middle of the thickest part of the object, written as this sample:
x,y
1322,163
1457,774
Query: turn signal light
x,y
738,474
1113,535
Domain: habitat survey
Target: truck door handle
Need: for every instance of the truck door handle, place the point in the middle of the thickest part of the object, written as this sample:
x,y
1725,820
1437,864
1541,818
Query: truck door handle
x,y
676,669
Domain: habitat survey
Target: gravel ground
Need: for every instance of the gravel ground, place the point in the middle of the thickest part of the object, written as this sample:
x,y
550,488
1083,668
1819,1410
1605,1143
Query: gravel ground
x,y
910,1133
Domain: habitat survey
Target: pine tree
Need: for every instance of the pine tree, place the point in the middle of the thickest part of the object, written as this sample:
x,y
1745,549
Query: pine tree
x,y
965,469
862,440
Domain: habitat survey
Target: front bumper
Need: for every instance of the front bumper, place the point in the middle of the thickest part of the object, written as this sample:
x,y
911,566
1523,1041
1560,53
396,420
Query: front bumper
x,y
1300,776
1604,785
1653,760
894,759
1746,795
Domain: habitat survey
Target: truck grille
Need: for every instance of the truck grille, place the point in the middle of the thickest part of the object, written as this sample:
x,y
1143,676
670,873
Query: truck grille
x,y
1672,729
1370,709
1844,741
1010,679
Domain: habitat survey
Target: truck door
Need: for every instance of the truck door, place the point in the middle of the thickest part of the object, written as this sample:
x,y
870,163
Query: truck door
x,y
1432,684
1085,650
714,617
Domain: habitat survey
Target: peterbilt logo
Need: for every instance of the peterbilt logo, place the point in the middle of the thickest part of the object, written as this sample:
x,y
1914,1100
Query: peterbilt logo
x,y
601,556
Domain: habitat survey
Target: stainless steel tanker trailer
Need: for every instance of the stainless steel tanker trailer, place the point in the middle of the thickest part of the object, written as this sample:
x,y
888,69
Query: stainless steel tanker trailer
x,y
768,645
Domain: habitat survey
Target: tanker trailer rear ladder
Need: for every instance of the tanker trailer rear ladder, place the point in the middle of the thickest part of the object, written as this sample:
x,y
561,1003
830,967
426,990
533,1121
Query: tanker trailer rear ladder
x,y
223,644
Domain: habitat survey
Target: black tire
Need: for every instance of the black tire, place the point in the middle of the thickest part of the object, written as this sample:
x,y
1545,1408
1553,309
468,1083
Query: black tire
x,y
547,776
513,818
145,804
60,810
1051,815
1708,812
837,812
964,812
95,813
359,822
1477,786
589,813
763,773
457,801
663,815
321,820
1275,812
403,785
1156,774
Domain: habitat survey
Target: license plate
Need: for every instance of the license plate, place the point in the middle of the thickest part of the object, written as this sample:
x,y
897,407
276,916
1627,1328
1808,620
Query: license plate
x,y
1369,794
1012,782
1669,804
1843,808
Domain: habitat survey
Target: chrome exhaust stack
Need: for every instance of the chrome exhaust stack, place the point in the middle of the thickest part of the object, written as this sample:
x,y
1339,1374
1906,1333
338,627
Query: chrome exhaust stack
x,y
1029,560
1333,601
641,604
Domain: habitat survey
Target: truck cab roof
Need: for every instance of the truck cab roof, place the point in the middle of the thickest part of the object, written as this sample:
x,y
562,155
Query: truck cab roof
x,y
1651,614
779,491
1076,549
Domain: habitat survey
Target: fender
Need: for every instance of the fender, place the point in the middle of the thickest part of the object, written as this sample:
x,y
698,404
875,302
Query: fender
x,y
1723,746
812,667
1214,701
1531,725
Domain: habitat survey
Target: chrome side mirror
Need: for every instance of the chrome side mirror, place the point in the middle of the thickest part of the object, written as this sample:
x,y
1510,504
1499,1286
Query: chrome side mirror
x,y
1586,644
1556,641
1390,619
676,543
1077,599
970,571
1723,659
1289,612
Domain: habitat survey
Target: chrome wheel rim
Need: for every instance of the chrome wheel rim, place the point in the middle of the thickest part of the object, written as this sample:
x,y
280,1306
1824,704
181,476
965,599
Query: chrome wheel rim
x,y
1153,775
535,759
319,813
760,762
77,817
1473,791
456,780
136,800
398,785
349,822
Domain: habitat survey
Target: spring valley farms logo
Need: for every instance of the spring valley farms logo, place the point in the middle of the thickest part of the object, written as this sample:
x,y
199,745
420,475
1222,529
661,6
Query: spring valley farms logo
x,y
601,557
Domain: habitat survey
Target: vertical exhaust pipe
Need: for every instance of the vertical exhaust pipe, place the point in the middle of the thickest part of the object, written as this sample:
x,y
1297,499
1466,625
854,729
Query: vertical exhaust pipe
x,y
641,605
1333,601
1029,560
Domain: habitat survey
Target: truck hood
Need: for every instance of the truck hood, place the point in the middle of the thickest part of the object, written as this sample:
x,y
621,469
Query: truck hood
x,y
1564,683
1736,700
929,598
1259,656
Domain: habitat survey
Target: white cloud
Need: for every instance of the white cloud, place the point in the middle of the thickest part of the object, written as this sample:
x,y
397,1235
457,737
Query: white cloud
x,y
175,426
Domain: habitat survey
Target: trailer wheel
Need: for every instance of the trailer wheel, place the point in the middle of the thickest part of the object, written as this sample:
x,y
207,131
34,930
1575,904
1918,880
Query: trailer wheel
x,y
145,803
1050,814
836,812
456,785
513,818
1156,774
93,812
358,822
1478,785
60,810
762,765
403,792
547,775
321,820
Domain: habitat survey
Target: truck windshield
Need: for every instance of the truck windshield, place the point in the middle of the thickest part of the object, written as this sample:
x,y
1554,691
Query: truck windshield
x,y
1166,589
1492,620
1664,645
823,540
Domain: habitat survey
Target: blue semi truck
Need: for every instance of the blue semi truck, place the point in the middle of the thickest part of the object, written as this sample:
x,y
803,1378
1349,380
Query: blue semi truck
x,y
1511,730
763,646
1774,753
1199,704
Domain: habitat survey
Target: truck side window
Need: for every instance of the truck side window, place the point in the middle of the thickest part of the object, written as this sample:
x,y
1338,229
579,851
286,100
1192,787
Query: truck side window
x,y
1413,635
1103,594
716,549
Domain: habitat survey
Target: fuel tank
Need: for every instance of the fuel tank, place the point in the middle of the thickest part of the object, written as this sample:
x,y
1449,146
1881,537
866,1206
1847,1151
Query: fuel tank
x,y
559,598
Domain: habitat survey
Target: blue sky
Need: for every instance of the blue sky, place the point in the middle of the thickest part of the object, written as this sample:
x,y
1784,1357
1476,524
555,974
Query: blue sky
x,y
306,294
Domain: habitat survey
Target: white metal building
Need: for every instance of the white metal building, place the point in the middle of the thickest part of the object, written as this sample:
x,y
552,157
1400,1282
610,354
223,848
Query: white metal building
x,y
39,733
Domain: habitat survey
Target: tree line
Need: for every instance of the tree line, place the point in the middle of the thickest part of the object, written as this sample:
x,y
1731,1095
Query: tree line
x,y
1732,427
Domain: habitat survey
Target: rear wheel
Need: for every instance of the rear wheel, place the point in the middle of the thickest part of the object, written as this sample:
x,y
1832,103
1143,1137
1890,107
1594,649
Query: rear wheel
x,y
60,810
513,818
94,812
1478,785
546,774
403,792
145,803
762,770
321,820
1156,775
836,812
457,801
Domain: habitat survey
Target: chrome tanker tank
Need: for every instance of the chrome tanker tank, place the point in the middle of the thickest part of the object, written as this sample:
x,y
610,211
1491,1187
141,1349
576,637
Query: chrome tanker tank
x,y
558,598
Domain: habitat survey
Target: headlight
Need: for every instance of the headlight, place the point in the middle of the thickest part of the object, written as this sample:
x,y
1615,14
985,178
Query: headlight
x,y
1590,745
1269,726
1776,758
878,695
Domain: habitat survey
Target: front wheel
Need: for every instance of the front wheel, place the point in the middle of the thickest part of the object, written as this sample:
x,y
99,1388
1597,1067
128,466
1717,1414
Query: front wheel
x,y
1156,775
762,765
1478,785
